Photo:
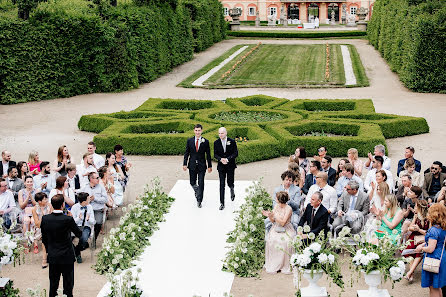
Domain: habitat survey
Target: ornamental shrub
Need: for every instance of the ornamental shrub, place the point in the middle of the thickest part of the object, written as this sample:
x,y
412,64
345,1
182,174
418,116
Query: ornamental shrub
x,y
72,47
411,36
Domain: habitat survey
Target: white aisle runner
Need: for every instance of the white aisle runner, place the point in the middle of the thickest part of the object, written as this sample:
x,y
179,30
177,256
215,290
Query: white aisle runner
x,y
186,253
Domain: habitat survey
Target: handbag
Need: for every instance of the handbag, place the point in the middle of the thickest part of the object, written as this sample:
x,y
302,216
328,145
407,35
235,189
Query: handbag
x,y
431,264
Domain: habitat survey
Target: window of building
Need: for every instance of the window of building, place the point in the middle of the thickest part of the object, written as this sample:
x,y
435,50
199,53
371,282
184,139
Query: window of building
x,y
353,10
251,11
225,11
272,11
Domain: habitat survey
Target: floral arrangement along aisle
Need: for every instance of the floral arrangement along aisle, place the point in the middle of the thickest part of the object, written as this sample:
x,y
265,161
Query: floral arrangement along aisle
x,y
314,256
128,240
246,255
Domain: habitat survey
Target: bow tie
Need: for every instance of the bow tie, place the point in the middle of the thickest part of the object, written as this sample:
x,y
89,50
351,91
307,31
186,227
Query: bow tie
x,y
320,189
83,207
46,175
12,179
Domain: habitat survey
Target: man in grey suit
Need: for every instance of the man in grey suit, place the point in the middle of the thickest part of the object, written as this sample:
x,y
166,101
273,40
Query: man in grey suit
x,y
293,191
350,200
14,183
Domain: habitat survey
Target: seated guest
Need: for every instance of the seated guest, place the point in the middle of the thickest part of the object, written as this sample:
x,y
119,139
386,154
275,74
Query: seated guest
x,y
41,208
299,174
417,178
418,229
277,260
22,170
352,199
408,206
121,161
310,178
7,203
62,187
34,163
380,150
354,160
118,178
300,157
376,197
391,219
403,188
98,160
441,195
408,154
330,199
84,217
294,198
44,181
371,175
15,184
321,152
106,179
98,198
73,178
26,201
63,159
84,169
6,163
434,248
347,176
341,166
326,167
315,216
433,181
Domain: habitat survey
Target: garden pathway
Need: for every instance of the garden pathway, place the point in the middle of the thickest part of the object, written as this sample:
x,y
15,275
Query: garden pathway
x,y
185,255
350,78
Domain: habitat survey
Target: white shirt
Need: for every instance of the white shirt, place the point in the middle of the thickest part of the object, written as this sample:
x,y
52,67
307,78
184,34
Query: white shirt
x,y
81,170
98,161
78,215
199,142
386,164
371,177
330,200
7,201
41,178
68,192
5,167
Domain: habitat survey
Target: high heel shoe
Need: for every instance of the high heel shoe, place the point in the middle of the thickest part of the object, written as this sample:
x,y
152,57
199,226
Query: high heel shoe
x,y
44,264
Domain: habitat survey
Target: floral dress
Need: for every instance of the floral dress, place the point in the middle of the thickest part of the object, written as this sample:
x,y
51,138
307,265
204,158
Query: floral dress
x,y
424,225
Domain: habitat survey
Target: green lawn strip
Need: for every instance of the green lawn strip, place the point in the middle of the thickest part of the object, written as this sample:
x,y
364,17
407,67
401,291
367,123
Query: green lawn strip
x,y
358,69
337,74
288,34
187,83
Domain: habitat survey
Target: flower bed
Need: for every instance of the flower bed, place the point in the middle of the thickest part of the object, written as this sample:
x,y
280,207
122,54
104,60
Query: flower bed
x,y
246,254
248,116
127,241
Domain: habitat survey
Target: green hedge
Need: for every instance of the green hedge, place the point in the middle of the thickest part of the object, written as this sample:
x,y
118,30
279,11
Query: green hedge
x,y
284,34
72,47
162,126
411,36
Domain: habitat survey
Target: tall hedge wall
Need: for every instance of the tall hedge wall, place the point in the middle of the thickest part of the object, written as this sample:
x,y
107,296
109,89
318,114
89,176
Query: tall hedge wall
x,y
411,36
73,47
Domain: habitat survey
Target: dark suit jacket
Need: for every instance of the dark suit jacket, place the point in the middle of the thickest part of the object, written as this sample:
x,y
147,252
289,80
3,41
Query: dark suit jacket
x,y
308,183
428,183
331,176
56,236
193,158
231,153
320,220
11,164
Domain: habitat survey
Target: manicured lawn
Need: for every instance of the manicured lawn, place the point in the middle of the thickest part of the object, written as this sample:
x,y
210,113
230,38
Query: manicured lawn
x,y
274,65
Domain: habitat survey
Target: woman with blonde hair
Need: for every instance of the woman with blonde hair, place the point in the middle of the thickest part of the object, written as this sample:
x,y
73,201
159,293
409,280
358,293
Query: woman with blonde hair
x,y
391,219
34,163
435,238
418,229
377,199
63,158
409,168
354,160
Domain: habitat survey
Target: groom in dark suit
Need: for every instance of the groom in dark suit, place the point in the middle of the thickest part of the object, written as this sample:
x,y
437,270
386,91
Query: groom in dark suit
x,y
197,153
315,215
56,236
225,151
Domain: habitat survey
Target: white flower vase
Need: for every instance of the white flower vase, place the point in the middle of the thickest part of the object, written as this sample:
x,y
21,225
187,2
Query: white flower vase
x,y
373,280
313,288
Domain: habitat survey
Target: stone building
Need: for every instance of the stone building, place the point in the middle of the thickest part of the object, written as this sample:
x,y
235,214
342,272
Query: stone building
x,y
303,10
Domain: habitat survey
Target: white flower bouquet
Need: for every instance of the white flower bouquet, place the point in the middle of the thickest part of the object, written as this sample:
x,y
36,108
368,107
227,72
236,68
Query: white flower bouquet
x,y
10,251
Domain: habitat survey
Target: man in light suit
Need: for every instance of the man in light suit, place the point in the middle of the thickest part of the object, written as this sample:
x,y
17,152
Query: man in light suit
x,y
225,151
293,191
197,153
352,199
15,184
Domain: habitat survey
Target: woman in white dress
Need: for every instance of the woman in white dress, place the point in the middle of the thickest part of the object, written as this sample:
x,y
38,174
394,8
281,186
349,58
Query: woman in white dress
x,y
278,259
118,176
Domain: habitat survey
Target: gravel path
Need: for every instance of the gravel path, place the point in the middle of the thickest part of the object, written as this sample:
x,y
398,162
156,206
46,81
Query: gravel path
x,y
350,78
45,125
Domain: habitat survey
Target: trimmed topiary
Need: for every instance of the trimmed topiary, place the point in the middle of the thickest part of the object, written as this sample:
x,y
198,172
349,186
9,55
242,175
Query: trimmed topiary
x,y
162,126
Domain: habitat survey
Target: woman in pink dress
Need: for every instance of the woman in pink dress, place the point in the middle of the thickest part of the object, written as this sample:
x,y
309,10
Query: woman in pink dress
x,y
278,247
34,163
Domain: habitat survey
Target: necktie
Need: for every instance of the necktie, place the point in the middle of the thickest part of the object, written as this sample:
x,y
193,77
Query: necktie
x,y
224,146
353,203
314,179
312,215
196,145
85,215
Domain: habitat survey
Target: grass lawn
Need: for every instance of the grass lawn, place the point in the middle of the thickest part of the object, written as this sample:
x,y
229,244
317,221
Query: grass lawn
x,y
282,66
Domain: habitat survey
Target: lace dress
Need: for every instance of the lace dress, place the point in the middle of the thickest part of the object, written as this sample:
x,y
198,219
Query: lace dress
x,y
372,223
118,196
279,259
40,211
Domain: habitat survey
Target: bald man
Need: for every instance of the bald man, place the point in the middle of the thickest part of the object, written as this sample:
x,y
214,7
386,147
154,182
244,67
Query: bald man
x,y
225,151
